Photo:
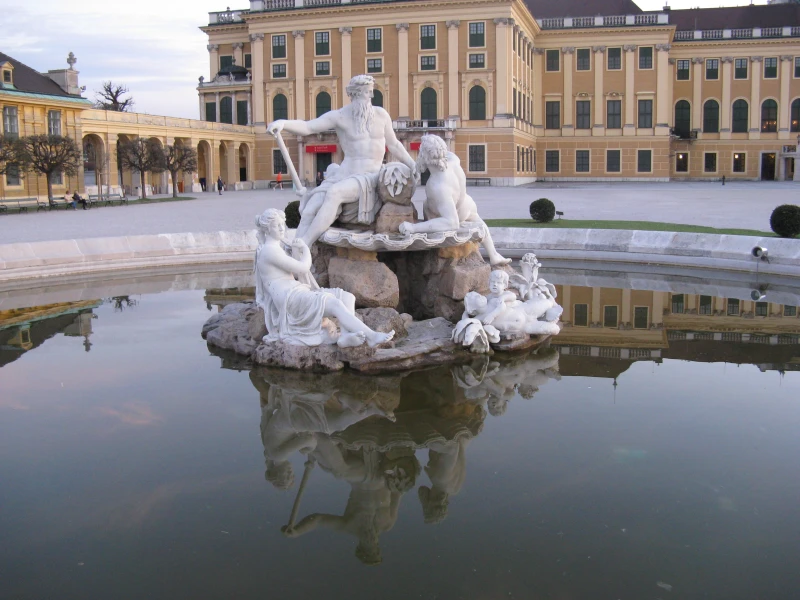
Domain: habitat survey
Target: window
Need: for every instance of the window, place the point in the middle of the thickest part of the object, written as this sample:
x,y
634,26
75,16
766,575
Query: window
x,y
10,122
644,160
211,112
641,317
12,175
278,71
583,114
477,158
711,116
614,114
769,116
733,307
374,65
706,305
584,62
280,107
740,117
248,61
646,57
225,61
322,43
241,112
226,110
740,68
683,119
54,122
789,311
519,159
645,114
279,46
6,76
477,103
428,104
551,160
427,63
795,116
682,72
552,117
581,315
710,162
712,69
610,316
797,66
678,305
323,68
374,40
377,98
614,59
427,37
278,164
739,159
771,67
323,103
57,178
477,61
552,60
682,162
581,161
762,309
613,161
477,38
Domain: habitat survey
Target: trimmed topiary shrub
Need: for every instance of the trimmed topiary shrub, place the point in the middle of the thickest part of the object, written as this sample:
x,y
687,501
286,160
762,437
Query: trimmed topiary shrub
x,y
542,210
785,220
292,212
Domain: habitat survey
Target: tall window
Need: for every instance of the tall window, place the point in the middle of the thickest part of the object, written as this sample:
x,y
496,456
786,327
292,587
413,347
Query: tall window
x,y
740,68
741,117
683,70
769,116
12,175
552,117
322,43
580,314
739,162
374,65
644,161
280,107
477,158
711,116
646,57
279,71
428,104
583,114
211,112
10,121
54,122
581,161
427,37
427,63
278,164
613,163
323,68
710,162
584,59
323,103
797,67
241,112
682,162
248,61
279,46
771,67
225,61
377,98
610,316
614,114
640,317
477,36
477,61
712,69
683,118
477,103
795,115
226,110
552,60
551,161
374,40
614,59
645,114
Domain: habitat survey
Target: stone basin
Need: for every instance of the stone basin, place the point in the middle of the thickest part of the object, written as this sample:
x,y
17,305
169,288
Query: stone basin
x,y
395,242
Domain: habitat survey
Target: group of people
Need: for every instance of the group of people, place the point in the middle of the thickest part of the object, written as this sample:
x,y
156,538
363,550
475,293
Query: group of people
x,y
74,199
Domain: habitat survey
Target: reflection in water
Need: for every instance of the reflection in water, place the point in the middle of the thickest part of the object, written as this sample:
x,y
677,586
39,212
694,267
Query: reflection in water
x,y
366,431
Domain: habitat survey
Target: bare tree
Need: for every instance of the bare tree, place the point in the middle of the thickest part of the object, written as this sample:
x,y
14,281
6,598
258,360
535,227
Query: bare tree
x,y
47,155
7,153
143,156
178,158
110,97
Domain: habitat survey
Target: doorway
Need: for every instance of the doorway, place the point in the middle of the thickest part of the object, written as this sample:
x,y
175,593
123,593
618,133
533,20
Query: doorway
x,y
768,166
323,160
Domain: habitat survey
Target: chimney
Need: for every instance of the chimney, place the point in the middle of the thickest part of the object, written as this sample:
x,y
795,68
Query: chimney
x,y
67,79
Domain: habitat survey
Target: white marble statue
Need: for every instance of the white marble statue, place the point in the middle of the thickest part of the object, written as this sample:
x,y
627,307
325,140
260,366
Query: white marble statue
x,y
447,204
349,194
295,307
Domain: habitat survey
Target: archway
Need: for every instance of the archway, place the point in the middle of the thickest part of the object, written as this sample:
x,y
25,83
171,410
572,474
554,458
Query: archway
x,y
244,162
223,163
205,169
94,163
477,103
157,181
128,179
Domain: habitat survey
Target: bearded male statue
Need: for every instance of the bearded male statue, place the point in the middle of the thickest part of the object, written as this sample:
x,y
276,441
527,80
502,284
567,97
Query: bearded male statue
x,y
350,193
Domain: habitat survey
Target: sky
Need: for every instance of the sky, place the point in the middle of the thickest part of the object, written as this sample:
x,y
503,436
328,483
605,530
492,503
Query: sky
x,y
153,47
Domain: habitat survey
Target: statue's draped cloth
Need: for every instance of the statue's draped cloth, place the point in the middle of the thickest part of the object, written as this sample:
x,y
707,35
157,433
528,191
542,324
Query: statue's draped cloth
x,y
365,210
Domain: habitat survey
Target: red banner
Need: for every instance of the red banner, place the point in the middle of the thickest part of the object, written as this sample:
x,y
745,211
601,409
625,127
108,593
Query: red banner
x,y
414,145
320,148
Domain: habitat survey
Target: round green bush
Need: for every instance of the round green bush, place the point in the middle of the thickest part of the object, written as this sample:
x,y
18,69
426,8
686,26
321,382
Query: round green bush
x,y
542,210
292,212
785,220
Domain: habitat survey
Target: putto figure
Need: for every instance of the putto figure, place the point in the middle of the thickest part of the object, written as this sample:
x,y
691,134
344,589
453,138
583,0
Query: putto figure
x,y
350,193
294,310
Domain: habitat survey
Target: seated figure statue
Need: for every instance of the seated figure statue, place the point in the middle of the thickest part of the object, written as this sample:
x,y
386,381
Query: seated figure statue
x,y
349,193
294,310
447,203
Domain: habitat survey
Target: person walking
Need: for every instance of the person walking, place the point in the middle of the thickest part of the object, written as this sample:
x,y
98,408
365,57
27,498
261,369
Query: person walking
x,y
279,181
220,185
319,178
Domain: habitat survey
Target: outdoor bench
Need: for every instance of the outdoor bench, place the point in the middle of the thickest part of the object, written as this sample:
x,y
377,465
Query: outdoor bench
x,y
59,203
23,204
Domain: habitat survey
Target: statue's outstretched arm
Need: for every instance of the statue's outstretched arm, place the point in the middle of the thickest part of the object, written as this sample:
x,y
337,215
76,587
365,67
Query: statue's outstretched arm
x,y
323,123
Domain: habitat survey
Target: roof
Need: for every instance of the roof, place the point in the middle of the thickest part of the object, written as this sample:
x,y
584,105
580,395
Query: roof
x,y
581,8
736,17
29,80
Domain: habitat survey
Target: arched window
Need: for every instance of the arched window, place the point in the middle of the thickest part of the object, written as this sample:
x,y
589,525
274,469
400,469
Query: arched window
x,y
795,123
477,103
711,116
741,117
683,118
323,103
428,104
280,107
226,110
377,98
769,116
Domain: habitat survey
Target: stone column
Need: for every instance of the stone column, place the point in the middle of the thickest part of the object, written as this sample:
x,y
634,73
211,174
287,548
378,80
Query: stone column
x,y
452,68
784,103
300,73
658,307
567,128
566,303
599,95
402,71
697,93
347,60
503,52
249,108
238,53
725,109
755,97
216,108
538,122
630,96
202,98
597,316
257,116
663,100
626,316
213,60
232,158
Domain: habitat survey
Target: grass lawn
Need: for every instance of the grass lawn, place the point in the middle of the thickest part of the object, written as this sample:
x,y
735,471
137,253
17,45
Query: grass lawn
x,y
640,225
156,200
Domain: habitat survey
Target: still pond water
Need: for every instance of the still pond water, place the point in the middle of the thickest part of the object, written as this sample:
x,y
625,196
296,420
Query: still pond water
x,y
653,453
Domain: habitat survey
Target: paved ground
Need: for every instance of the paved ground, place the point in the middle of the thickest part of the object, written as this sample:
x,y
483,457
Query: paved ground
x,y
746,205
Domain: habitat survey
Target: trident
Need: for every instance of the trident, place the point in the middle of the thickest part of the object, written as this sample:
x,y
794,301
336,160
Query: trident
x,y
299,189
